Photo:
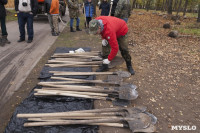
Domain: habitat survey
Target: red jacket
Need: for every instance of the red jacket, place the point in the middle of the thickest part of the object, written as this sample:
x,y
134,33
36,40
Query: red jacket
x,y
113,29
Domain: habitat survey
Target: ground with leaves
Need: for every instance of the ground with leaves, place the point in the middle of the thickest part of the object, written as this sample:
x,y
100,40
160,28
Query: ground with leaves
x,y
167,71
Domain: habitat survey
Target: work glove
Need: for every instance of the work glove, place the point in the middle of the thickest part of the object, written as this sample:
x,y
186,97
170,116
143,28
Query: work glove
x,y
106,61
104,42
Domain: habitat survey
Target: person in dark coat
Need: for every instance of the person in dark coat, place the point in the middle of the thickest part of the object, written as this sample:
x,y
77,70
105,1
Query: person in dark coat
x,y
26,10
4,39
114,7
89,11
105,8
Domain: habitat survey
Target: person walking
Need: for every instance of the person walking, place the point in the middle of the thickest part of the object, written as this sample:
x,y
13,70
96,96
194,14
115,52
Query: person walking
x,y
123,10
74,13
4,39
89,11
114,35
26,10
105,8
53,15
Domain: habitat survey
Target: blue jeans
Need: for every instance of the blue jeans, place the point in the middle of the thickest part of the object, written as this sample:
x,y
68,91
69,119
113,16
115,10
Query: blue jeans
x,y
72,21
3,26
24,18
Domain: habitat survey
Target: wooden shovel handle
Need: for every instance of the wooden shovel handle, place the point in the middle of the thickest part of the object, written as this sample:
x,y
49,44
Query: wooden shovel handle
x,y
72,92
75,63
80,89
71,95
80,73
85,81
63,115
64,86
71,122
69,65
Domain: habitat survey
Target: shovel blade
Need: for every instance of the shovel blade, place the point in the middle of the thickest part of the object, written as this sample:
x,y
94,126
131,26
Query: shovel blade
x,y
123,74
128,94
141,122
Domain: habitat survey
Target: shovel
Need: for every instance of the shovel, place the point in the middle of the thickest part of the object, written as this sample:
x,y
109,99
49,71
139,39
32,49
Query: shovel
x,y
123,92
138,121
131,110
123,74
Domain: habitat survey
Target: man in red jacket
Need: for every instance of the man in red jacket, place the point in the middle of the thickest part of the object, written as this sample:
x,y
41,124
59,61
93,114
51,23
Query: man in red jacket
x,y
114,33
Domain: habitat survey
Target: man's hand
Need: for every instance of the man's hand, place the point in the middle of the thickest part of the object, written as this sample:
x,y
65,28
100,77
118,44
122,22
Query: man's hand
x,y
106,61
104,42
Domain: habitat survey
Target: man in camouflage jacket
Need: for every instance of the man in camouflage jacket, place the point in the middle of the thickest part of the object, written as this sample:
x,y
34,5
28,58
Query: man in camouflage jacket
x,y
123,10
73,6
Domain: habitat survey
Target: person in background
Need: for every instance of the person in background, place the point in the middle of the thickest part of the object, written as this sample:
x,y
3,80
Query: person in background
x,y
114,7
89,11
123,10
105,8
114,35
4,39
26,10
53,14
74,13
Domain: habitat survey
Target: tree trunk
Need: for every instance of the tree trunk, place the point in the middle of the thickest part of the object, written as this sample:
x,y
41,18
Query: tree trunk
x,y
175,5
148,5
133,5
198,19
179,6
185,7
169,11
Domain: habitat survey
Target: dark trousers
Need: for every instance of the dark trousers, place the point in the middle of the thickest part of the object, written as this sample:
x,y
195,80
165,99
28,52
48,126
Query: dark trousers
x,y
88,19
3,26
24,18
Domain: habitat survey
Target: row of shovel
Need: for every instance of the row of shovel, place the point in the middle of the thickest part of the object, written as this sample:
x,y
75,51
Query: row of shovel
x,y
136,118
64,88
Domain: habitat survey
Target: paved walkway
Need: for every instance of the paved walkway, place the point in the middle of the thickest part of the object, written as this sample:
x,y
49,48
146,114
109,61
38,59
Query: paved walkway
x,y
18,59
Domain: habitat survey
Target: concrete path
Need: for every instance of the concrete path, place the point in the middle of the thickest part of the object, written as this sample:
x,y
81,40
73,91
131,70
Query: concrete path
x,y
18,59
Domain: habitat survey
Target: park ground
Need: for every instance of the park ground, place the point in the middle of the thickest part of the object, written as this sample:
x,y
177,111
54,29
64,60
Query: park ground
x,y
167,69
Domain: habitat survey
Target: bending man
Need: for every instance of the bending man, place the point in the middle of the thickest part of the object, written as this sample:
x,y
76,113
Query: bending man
x,y
114,34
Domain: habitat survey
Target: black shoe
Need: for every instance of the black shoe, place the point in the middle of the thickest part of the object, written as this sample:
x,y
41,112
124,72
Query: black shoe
x,y
2,44
55,34
21,40
130,68
103,68
72,30
5,40
29,41
78,29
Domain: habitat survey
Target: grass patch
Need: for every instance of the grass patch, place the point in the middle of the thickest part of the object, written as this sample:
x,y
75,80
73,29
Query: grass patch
x,y
190,31
11,15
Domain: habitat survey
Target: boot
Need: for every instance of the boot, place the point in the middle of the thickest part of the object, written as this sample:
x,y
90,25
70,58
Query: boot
x,y
5,40
71,29
130,68
78,29
102,68
1,43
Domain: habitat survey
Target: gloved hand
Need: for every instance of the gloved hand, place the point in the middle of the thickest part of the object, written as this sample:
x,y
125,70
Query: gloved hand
x,y
106,61
104,42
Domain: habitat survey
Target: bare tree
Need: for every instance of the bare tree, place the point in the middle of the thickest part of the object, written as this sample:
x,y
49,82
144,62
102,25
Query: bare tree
x,y
133,5
185,7
169,11
198,19
179,6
